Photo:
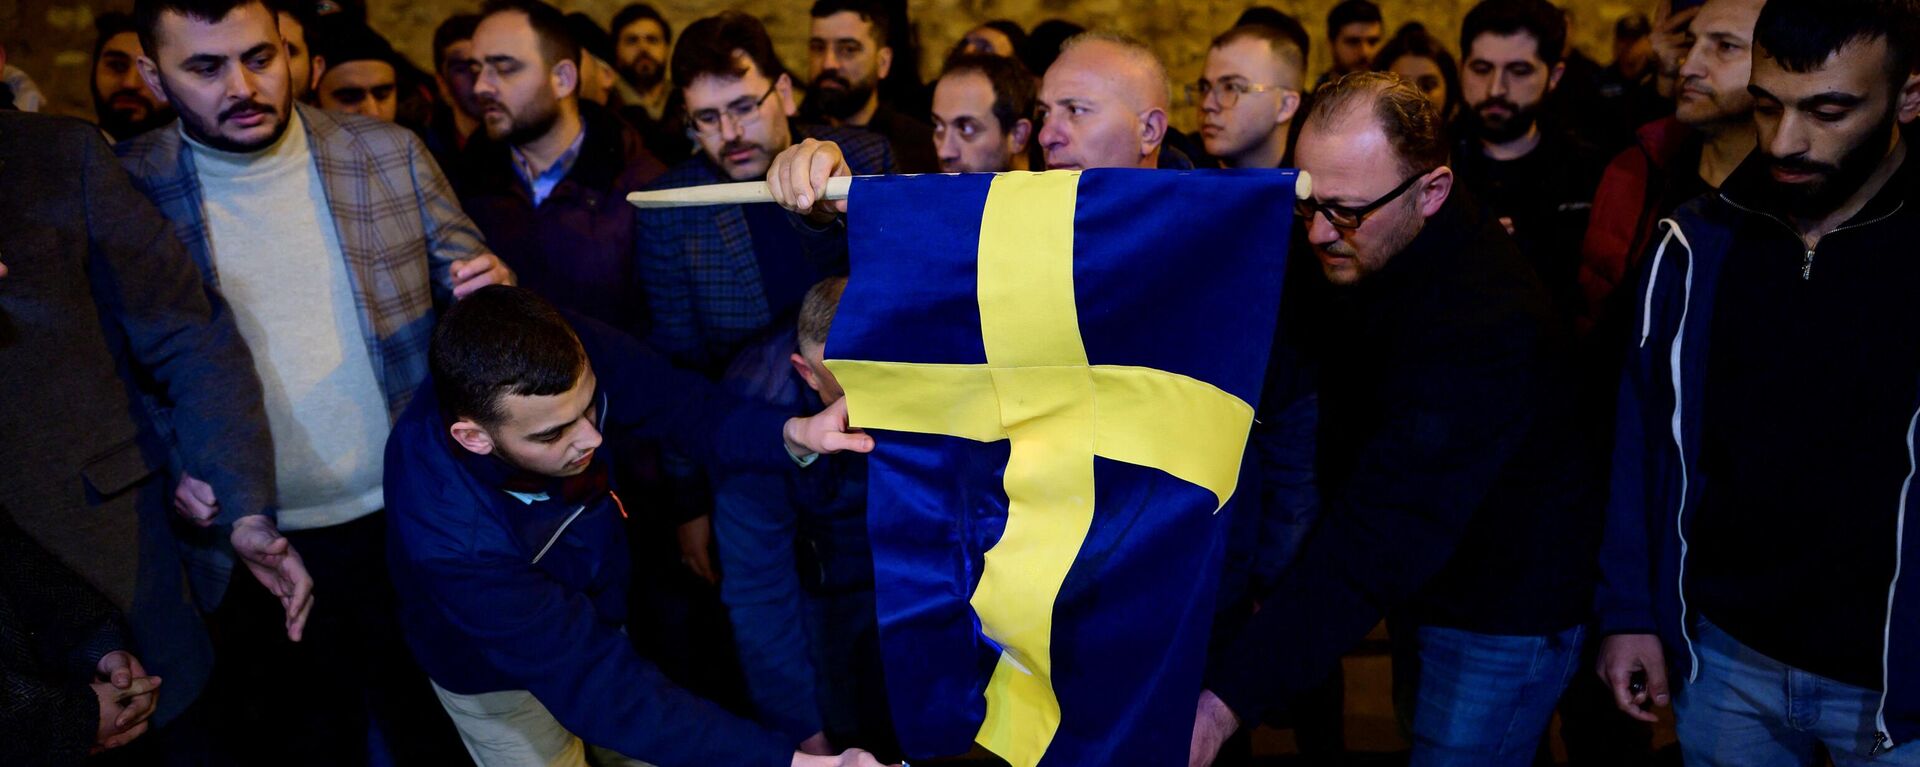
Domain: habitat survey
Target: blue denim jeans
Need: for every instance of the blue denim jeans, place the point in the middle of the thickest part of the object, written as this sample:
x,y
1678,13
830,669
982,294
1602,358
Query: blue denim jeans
x,y
1485,699
1748,710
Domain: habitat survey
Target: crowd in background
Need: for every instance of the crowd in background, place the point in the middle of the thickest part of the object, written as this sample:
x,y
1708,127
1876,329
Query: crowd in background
x,y
354,402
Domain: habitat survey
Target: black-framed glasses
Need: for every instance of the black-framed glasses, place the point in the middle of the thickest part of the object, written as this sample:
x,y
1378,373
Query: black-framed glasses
x,y
1342,217
744,113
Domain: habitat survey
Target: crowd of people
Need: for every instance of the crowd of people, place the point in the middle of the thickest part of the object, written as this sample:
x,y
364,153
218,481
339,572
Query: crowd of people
x,y
354,400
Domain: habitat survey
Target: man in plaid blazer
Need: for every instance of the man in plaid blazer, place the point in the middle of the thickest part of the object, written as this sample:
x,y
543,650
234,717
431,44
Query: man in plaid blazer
x,y
333,237
706,269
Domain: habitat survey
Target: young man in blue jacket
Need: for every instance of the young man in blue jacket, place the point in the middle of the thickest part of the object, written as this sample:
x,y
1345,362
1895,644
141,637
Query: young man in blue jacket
x,y
507,547
1764,462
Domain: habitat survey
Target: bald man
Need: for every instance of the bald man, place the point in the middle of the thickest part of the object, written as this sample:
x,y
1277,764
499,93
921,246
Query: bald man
x,y
1103,104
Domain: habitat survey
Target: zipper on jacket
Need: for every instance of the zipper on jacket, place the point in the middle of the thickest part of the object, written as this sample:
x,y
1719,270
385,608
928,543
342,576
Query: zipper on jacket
x,y
1806,264
1880,745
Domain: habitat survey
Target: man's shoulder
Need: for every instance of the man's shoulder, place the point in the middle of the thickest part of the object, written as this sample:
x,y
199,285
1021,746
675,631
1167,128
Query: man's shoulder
x,y
39,132
379,141
692,171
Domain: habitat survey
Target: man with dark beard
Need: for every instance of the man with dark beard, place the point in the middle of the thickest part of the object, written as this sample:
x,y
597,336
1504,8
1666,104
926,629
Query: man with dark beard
x,y
1538,183
122,102
648,101
547,184
847,57
332,237
1752,566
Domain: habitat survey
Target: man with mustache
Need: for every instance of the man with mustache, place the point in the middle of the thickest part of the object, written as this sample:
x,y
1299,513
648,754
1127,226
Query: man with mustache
x,y
717,277
648,101
333,237
1677,158
847,57
1248,94
1537,182
122,102
358,75
1754,571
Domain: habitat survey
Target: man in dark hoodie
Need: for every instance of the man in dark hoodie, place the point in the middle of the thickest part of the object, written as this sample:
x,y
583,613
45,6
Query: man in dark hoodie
x,y
1763,459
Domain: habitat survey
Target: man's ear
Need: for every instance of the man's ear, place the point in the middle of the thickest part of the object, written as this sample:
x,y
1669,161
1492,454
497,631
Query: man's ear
x,y
805,370
1021,134
783,89
1153,130
1909,105
149,72
1434,191
472,436
1289,106
566,78
319,72
885,59
1553,77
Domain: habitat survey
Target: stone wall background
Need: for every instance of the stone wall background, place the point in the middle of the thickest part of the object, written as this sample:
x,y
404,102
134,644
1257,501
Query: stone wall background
x,y
53,39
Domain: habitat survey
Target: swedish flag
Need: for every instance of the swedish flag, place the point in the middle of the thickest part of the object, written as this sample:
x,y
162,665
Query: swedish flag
x,y
1061,370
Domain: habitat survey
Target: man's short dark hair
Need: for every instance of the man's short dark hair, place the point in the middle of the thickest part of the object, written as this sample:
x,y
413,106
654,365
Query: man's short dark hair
x,y
1281,43
339,40
1801,34
707,48
639,12
456,29
501,341
1043,43
1633,26
549,24
1352,12
1267,15
109,25
1403,113
592,39
147,13
1013,86
870,11
1417,42
817,310
1539,19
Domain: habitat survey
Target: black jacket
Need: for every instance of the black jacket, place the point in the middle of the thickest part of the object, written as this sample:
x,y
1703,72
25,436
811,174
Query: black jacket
x,y
53,631
1449,469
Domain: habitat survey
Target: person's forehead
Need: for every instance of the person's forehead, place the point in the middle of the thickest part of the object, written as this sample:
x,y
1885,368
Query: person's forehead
x,y
504,33
1728,17
242,29
1350,158
127,43
643,27
842,25
1092,71
1416,65
709,90
962,93
364,73
290,26
1857,69
1249,57
1359,29
1511,48
532,414
458,49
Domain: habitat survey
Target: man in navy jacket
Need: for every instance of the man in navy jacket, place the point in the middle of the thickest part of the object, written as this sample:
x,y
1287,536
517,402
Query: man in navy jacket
x,y
507,547
1764,458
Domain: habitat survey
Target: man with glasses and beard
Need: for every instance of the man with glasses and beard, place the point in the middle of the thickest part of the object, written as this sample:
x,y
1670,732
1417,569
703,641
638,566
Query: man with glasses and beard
x,y
648,102
1537,182
122,102
715,278
1753,563
847,57
1451,483
333,237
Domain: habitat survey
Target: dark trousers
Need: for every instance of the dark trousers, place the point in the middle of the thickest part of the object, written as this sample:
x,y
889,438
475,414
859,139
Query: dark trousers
x,y
312,702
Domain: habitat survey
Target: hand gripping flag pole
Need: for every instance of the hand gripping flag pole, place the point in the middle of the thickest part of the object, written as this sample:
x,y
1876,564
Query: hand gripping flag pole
x,y
758,191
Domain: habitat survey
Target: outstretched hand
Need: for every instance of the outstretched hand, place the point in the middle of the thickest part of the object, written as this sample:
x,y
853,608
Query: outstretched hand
x,y
825,433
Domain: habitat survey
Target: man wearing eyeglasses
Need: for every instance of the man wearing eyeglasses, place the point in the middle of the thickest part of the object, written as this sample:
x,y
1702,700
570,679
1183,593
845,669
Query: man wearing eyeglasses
x,y
1248,96
716,277
547,182
1451,483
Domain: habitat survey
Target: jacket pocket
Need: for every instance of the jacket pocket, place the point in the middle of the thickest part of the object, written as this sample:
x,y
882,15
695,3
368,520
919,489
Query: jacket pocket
x,y
114,471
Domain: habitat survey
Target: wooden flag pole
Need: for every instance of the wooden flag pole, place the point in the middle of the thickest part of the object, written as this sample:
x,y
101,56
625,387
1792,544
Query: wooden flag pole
x,y
757,191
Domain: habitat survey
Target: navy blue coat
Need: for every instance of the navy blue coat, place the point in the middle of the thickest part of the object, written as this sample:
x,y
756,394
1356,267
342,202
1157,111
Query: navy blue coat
x,y
497,594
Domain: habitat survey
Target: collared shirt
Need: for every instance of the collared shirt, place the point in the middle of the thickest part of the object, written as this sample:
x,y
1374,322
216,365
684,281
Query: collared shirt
x,y
541,184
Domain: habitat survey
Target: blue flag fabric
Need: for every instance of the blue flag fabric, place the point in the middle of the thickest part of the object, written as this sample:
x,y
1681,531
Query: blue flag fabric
x,y
1059,370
